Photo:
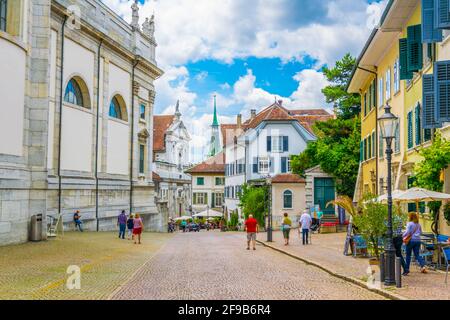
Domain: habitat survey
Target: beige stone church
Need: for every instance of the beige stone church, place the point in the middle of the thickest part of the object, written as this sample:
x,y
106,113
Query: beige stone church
x,y
76,108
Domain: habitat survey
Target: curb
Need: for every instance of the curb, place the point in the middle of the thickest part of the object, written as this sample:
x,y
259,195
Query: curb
x,y
353,280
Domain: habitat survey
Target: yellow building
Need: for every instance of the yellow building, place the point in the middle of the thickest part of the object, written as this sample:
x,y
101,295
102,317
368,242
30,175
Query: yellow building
x,y
401,55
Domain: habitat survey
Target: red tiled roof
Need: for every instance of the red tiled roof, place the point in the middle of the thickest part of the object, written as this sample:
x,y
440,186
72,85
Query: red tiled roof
x,y
309,112
308,121
288,178
214,164
160,126
156,177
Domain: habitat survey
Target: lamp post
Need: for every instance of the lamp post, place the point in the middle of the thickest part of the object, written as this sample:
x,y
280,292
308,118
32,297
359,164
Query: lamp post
x,y
388,128
269,208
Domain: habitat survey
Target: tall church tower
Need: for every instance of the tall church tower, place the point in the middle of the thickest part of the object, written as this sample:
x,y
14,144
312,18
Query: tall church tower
x,y
214,147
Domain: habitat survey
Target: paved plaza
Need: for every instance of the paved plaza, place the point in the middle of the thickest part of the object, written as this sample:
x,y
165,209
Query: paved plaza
x,y
215,265
205,265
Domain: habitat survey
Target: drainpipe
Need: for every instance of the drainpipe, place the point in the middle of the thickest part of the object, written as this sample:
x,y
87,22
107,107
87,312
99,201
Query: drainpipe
x,y
96,133
61,97
376,125
132,134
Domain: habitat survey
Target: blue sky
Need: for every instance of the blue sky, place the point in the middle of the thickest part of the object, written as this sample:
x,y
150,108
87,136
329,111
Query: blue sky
x,y
248,52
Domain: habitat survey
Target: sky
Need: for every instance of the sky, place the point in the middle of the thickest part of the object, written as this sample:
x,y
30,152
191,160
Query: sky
x,y
248,53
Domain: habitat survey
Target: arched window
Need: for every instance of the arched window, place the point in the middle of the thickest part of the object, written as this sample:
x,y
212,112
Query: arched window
x,y
117,108
73,93
287,199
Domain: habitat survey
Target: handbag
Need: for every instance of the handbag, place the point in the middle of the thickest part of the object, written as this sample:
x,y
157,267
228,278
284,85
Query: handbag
x,y
407,239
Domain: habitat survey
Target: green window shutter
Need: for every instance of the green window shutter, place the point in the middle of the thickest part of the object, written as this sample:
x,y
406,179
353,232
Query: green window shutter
x,y
442,82
429,103
404,73
361,155
397,140
418,126
410,131
365,149
427,135
365,104
430,33
213,200
373,145
442,12
369,148
415,48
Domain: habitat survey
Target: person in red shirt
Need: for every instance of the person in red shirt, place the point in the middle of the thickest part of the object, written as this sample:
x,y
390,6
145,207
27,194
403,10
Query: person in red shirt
x,y
251,226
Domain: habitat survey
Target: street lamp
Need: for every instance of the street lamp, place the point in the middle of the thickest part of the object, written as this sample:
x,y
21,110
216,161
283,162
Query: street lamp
x,y
388,128
269,208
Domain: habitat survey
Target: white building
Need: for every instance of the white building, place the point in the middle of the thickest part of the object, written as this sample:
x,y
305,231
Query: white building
x,y
262,146
76,103
208,182
171,159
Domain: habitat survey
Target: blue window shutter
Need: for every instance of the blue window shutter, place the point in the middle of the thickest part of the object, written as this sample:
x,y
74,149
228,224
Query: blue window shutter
x,y
442,83
269,143
418,126
404,73
415,48
429,102
410,131
283,164
255,165
430,33
442,14
285,143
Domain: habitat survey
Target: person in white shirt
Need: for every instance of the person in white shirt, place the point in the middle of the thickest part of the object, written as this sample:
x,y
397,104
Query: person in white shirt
x,y
305,224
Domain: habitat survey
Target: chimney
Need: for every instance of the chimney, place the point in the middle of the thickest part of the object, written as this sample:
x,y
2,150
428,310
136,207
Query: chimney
x,y
280,102
253,113
239,120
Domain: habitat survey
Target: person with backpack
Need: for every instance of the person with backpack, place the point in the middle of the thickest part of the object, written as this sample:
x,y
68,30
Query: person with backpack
x,y
286,227
411,238
130,226
77,220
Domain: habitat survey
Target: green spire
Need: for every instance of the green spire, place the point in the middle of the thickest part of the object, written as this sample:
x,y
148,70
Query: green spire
x,y
215,121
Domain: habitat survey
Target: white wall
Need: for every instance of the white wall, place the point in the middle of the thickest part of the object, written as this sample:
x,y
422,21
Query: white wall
x,y
117,151
52,92
12,93
119,83
76,144
79,61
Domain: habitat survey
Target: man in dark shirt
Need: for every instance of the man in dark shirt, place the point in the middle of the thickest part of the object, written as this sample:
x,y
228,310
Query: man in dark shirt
x,y
77,220
251,226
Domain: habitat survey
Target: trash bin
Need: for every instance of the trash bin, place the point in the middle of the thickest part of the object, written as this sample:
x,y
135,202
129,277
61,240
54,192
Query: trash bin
x,y
36,228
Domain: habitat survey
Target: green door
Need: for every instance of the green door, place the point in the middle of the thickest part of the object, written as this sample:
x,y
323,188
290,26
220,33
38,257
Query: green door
x,y
324,192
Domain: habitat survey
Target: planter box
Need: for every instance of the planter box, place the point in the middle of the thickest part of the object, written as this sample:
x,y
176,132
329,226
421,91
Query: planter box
x,y
328,229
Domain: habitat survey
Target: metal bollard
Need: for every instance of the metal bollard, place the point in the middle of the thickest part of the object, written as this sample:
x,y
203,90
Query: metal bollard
x,y
382,267
398,272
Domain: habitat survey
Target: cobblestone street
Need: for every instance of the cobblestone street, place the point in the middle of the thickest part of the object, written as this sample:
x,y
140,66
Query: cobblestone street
x,y
215,265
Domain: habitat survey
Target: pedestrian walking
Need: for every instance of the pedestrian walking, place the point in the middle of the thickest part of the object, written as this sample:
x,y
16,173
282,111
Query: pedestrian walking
x,y
77,221
183,225
130,226
251,226
305,224
411,238
122,223
286,228
138,227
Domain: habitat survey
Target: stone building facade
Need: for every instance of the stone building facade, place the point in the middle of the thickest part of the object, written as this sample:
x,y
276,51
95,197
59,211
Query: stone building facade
x,y
76,104
171,158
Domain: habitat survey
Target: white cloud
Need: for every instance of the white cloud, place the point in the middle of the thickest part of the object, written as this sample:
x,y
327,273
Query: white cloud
x,y
309,92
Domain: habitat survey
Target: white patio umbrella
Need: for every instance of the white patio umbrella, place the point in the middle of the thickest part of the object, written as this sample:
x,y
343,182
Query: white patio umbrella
x,y
183,218
209,213
395,195
422,195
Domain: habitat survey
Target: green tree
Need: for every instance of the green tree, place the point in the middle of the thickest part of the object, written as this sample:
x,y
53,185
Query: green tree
x,y
336,150
253,200
348,105
428,172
